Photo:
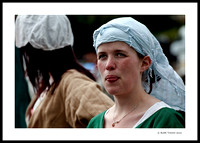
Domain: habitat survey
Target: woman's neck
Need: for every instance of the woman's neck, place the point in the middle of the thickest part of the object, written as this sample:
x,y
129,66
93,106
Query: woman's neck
x,y
125,103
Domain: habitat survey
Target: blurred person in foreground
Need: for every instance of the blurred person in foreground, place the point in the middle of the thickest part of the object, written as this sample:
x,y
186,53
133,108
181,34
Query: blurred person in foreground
x,y
66,94
148,93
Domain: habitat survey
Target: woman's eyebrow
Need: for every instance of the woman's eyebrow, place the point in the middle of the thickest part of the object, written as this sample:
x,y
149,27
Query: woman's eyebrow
x,y
115,51
120,51
100,53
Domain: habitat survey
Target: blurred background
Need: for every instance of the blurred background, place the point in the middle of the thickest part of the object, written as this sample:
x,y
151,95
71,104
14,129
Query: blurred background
x,y
168,29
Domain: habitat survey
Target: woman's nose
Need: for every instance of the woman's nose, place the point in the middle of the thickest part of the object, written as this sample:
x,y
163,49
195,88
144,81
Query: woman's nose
x,y
110,65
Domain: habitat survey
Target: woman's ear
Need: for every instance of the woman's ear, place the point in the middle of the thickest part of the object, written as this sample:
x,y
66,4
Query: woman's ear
x,y
146,62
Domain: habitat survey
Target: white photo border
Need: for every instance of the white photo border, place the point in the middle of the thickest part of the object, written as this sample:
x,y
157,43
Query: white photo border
x,y
8,102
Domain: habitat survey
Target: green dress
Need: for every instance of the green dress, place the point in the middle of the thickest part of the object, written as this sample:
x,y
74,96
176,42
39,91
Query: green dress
x,y
164,117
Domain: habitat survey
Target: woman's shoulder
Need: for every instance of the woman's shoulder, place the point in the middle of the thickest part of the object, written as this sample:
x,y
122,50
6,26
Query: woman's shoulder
x,y
74,75
97,121
171,117
168,113
164,118
73,79
72,72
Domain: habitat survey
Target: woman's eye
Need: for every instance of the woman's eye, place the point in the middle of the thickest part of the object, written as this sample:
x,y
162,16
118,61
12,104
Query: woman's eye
x,y
101,56
120,55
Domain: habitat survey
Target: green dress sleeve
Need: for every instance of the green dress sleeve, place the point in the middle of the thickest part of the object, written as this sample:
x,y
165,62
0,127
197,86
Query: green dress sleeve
x,y
164,118
97,121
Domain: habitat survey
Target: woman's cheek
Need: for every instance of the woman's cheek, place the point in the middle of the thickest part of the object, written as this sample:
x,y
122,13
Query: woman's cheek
x,y
100,66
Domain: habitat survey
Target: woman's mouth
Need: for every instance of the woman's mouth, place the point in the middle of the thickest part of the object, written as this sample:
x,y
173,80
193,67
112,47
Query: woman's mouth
x,y
111,78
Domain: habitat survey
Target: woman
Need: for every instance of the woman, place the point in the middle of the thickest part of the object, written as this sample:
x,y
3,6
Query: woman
x,y
66,93
134,69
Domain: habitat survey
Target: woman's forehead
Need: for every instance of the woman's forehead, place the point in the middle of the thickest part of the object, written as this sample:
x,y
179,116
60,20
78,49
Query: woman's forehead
x,y
114,46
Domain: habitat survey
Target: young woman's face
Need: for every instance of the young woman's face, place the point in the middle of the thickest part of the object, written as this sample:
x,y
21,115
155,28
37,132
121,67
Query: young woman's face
x,y
120,68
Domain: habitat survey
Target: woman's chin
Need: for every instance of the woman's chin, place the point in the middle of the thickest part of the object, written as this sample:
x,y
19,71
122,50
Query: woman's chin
x,y
113,91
